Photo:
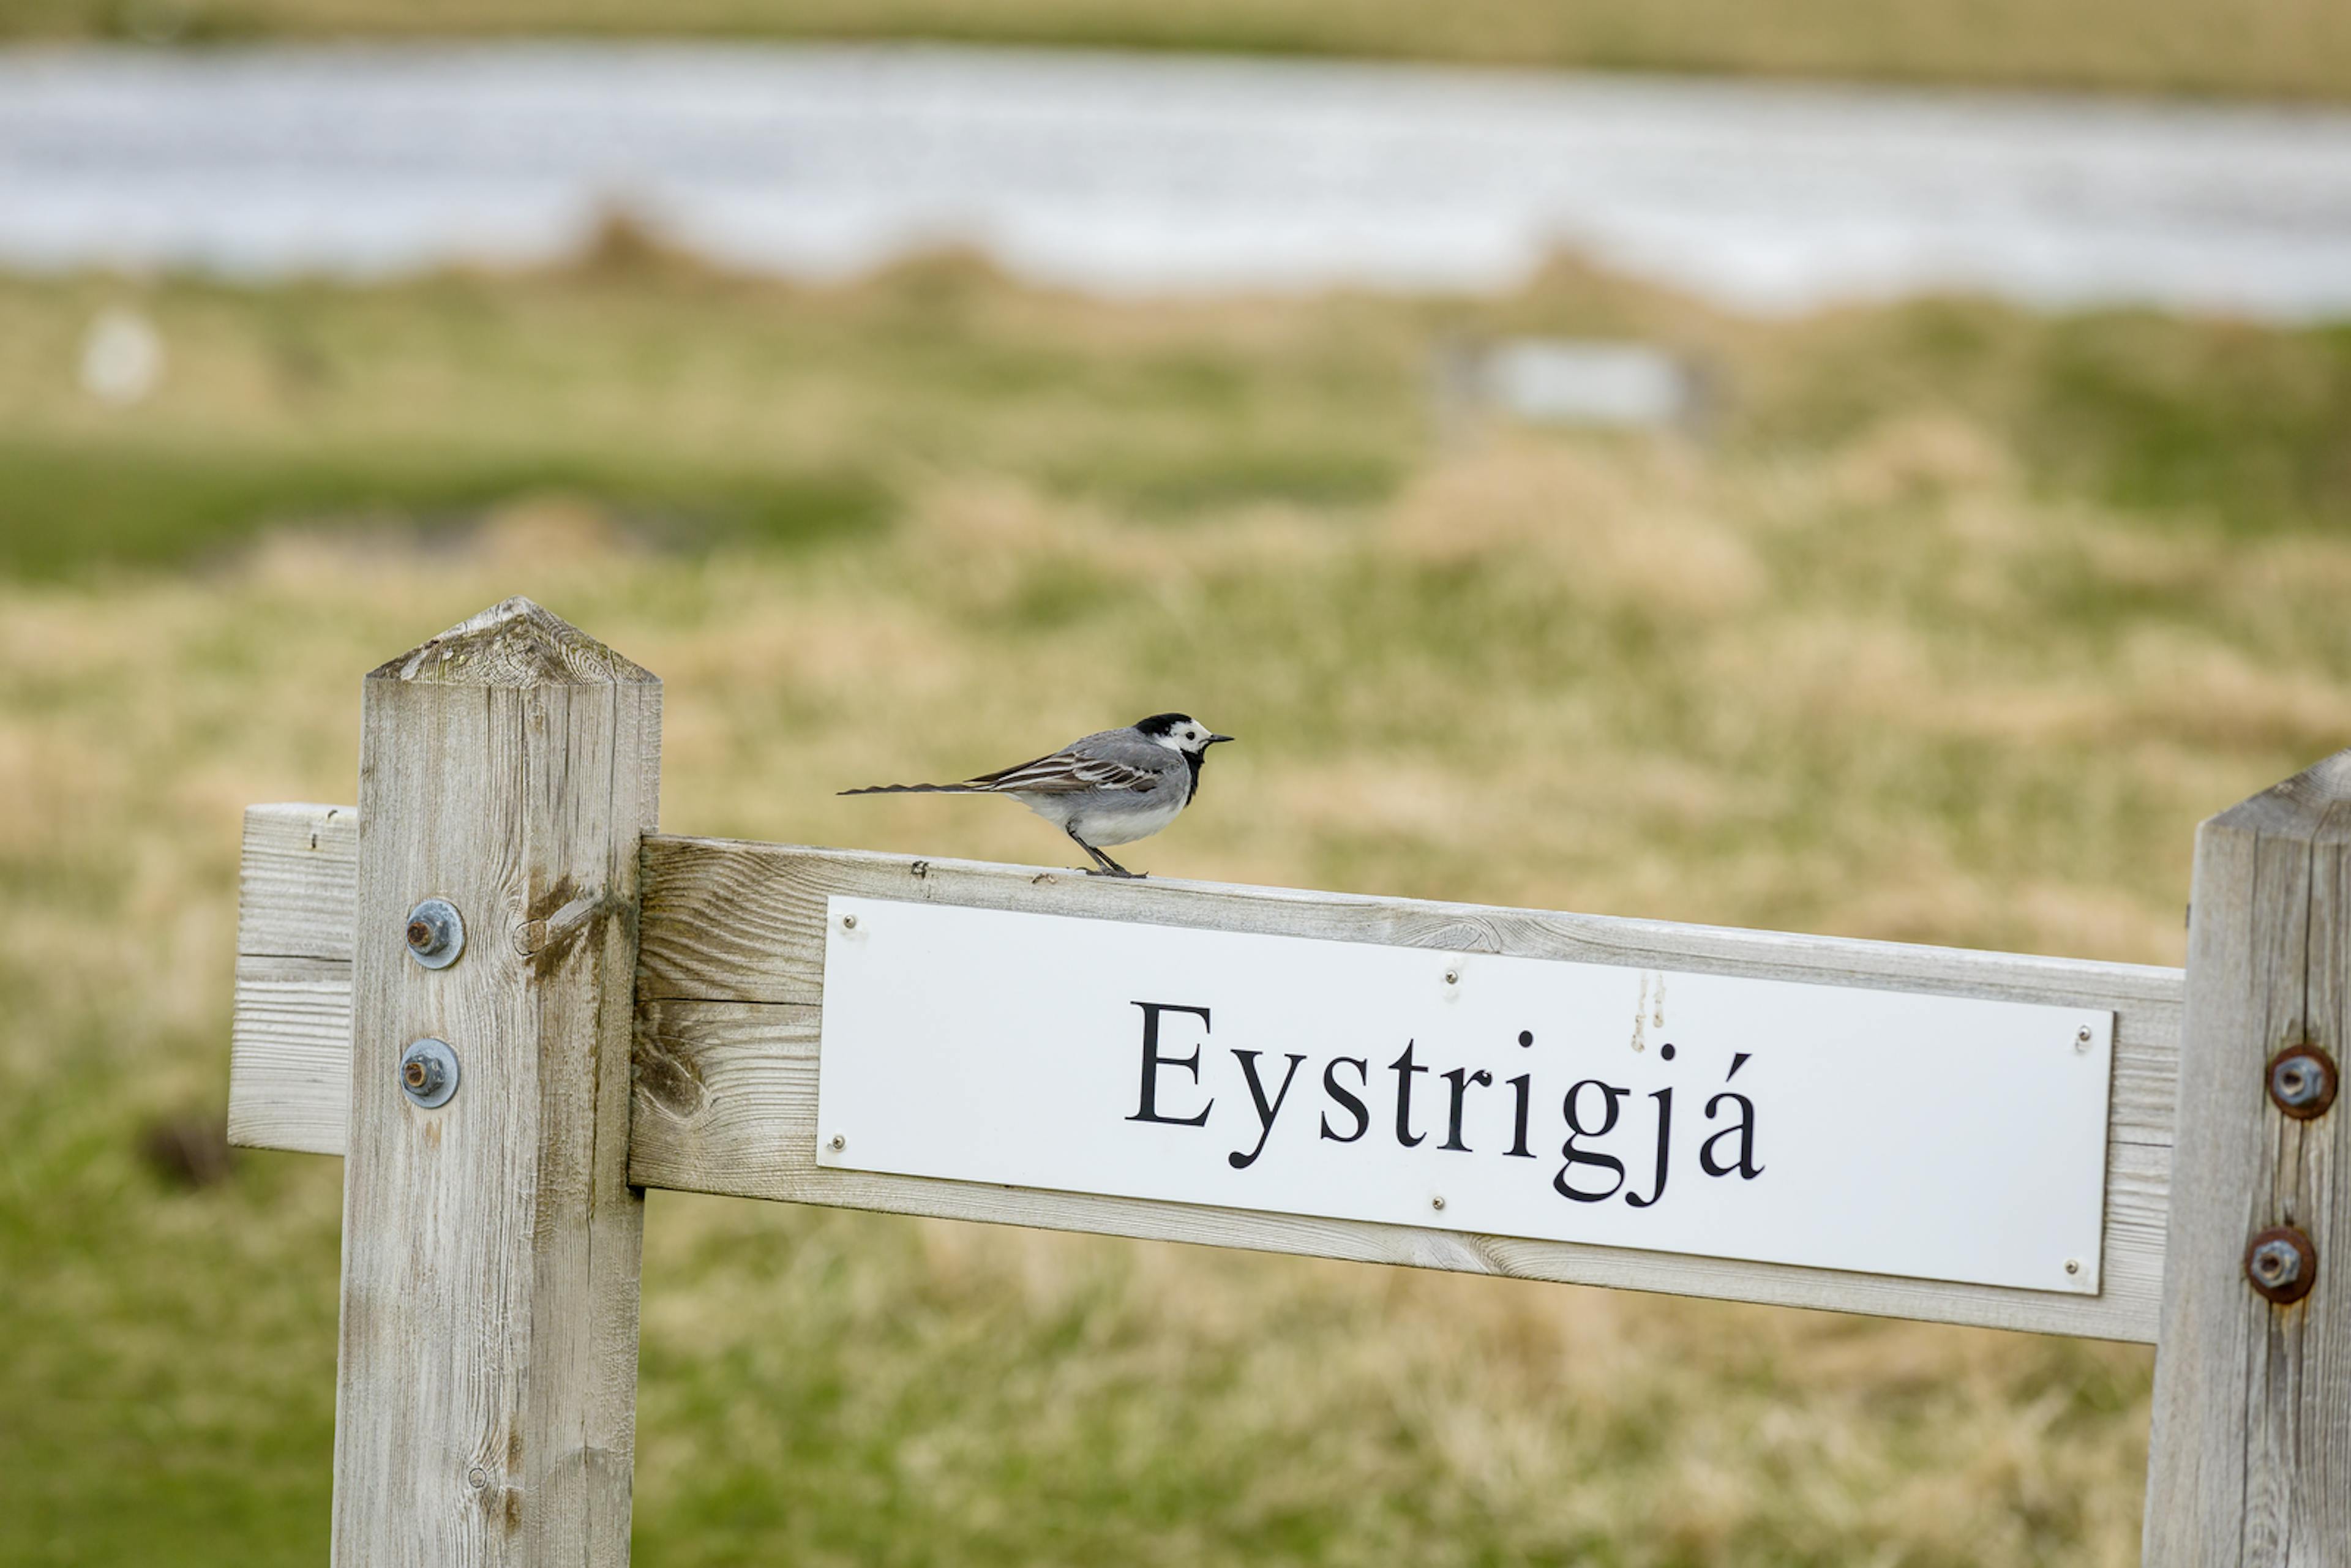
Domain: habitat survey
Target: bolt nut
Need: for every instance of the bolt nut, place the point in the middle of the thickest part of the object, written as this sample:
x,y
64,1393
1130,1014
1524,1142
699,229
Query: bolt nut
x,y
2282,1264
436,933
2303,1081
428,1073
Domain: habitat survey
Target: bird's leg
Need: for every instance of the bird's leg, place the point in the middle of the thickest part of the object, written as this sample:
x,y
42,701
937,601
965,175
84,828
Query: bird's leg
x,y
1109,866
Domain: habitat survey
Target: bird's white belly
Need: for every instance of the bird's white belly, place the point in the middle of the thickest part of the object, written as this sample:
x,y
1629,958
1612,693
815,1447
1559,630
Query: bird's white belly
x,y
1104,823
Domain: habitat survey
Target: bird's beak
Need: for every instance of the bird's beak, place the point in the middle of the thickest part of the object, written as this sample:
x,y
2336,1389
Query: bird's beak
x,y
1214,738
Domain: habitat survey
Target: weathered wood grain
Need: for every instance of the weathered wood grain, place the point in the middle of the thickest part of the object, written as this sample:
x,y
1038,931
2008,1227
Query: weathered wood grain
x,y
486,1401
2251,1461
731,970
298,875
290,1044
289,1074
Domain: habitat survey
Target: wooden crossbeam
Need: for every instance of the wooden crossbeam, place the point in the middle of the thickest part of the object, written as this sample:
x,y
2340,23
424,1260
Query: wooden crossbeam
x,y
730,992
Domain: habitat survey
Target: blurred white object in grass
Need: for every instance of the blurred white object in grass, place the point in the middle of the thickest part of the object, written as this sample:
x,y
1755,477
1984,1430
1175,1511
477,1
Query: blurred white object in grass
x,y
1559,380
122,357
1589,383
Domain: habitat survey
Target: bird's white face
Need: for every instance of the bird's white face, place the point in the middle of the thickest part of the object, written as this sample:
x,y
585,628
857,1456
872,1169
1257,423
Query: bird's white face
x,y
1189,735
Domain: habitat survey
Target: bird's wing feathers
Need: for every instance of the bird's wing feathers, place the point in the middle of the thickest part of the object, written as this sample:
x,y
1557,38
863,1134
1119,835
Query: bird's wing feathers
x,y
1067,772
1115,759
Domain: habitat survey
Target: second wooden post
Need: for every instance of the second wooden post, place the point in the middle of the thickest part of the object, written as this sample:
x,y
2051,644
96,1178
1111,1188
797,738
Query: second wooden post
x,y
2251,1460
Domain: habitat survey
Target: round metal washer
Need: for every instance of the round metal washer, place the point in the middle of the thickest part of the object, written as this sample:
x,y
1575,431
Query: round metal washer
x,y
428,1073
2303,1081
436,933
2281,1264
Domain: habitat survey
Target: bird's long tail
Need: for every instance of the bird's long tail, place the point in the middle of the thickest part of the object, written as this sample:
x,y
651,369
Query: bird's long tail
x,y
920,790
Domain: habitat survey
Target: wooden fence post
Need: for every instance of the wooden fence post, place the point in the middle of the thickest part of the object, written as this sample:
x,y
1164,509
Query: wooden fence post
x,y
487,1388
2251,1455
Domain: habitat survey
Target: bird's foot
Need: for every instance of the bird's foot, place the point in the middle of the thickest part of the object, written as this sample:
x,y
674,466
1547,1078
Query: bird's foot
x,y
1118,873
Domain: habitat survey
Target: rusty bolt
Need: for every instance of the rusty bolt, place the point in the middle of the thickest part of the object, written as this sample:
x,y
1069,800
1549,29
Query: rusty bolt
x,y
436,933
428,1073
2302,1082
2282,1264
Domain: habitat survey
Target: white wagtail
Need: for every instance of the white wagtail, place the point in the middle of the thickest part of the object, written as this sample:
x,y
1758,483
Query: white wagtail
x,y
1113,788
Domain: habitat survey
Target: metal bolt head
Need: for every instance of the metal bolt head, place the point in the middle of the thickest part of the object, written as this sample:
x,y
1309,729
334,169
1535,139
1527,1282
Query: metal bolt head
x,y
2302,1082
2072,1265
436,933
837,1142
849,922
2282,1264
1452,977
1437,1203
2083,1037
428,1073
2275,1263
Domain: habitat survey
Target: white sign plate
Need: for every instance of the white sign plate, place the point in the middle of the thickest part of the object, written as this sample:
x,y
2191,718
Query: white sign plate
x,y
1883,1132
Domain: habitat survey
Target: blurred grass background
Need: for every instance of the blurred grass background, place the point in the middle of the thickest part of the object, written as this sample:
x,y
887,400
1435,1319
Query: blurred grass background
x,y
1950,631
2278,48
691,407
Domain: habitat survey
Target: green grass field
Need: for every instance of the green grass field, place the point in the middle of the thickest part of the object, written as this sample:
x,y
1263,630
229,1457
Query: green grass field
x,y
1953,634
2288,48
691,408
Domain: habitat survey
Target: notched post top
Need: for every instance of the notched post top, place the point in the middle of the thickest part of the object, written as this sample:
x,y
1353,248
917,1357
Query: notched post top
x,y
515,643
2312,805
